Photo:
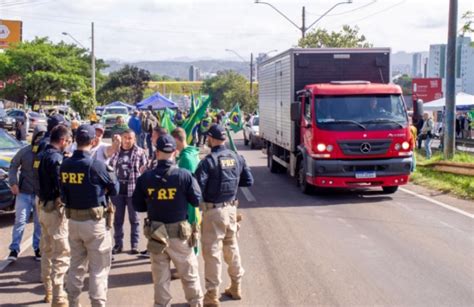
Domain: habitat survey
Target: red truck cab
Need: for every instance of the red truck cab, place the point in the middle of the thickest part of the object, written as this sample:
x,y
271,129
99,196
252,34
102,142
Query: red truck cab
x,y
353,134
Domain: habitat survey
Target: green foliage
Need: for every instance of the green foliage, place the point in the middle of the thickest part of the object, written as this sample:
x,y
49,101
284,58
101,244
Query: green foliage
x,y
405,82
156,77
346,38
40,68
468,19
127,84
229,88
83,102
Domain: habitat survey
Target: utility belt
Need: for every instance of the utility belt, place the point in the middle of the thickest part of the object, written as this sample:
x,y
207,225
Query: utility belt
x,y
51,205
205,206
94,214
159,234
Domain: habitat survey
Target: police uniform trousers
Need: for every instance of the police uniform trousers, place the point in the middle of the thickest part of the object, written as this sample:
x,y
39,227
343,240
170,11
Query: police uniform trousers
x,y
186,263
55,251
91,250
219,234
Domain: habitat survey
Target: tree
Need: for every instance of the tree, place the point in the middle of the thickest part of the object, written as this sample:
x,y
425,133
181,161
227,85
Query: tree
x,y
132,78
228,88
346,38
468,26
405,83
39,68
83,102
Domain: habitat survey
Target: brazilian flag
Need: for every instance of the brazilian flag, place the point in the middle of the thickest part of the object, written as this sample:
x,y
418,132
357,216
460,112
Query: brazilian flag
x,y
166,121
236,122
193,119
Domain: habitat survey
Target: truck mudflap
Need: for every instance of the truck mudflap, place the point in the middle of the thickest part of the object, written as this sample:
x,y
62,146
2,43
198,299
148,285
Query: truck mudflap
x,y
359,173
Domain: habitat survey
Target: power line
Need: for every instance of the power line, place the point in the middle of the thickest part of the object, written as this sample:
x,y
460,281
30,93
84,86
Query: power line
x,y
23,3
348,11
378,12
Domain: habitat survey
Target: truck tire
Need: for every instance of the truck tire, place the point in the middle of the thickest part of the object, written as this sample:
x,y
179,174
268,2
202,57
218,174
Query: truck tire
x,y
274,167
390,190
305,187
246,142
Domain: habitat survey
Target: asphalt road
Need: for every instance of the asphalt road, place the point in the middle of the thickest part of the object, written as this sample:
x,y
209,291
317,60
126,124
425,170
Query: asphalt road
x,y
347,248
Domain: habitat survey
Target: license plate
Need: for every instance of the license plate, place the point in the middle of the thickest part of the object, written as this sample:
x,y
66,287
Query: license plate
x,y
365,175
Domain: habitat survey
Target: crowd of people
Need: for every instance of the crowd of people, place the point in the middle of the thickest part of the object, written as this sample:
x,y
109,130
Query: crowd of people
x,y
79,191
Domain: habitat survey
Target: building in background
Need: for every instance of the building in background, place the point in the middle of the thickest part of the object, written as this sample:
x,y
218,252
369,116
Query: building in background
x,y
194,73
417,65
464,64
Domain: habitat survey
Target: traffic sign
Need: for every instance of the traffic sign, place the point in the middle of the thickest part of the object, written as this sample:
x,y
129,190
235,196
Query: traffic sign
x,y
10,32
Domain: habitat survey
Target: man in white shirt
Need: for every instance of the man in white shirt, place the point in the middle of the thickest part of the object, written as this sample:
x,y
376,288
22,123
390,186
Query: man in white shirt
x,y
101,151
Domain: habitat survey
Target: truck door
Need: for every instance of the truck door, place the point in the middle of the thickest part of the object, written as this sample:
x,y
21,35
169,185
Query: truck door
x,y
307,123
278,101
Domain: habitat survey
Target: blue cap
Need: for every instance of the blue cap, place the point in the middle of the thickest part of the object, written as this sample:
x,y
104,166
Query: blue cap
x,y
85,133
217,132
55,120
166,143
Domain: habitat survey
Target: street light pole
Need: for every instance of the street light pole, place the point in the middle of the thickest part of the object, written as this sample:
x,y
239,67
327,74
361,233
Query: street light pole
x,y
449,139
93,62
251,74
303,27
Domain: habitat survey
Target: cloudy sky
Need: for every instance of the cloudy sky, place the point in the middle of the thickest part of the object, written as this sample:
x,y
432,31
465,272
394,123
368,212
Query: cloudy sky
x,y
133,30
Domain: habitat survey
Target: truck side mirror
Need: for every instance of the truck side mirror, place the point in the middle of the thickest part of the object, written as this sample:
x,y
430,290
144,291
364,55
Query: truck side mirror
x,y
418,109
295,111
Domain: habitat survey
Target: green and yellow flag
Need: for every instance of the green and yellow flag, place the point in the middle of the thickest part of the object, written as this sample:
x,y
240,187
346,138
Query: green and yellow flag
x,y
193,119
167,122
236,122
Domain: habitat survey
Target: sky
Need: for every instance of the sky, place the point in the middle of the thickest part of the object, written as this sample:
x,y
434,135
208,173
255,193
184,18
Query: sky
x,y
135,30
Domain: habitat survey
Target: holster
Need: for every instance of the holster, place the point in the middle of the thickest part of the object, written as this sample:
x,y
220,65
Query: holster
x,y
110,215
158,239
195,235
50,205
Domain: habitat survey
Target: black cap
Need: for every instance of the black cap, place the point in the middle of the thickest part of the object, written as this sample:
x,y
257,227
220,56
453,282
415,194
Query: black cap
x,y
217,132
55,120
85,133
166,143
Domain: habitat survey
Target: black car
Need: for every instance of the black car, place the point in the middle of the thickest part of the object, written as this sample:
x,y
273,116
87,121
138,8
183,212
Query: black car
x,y
9,146
6,121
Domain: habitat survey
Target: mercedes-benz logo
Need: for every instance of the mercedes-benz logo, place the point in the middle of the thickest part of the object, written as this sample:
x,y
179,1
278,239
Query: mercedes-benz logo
x,y
365,148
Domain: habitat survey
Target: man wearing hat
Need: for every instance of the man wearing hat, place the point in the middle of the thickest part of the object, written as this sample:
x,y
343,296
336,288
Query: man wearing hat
x,y
219,175
164,193
85,182
54,230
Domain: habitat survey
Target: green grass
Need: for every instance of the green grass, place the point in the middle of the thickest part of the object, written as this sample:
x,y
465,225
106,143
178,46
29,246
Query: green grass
x,y
462,186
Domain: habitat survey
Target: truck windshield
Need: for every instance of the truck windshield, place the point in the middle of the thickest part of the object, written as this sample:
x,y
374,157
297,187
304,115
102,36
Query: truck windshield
x,y
367,112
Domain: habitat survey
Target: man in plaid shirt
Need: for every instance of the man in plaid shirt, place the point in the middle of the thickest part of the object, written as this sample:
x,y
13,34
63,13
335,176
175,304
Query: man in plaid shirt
x,y
127,163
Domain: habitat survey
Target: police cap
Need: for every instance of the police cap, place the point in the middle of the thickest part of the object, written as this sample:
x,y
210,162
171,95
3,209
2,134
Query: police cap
x,y
85,133
55,120
166,143
217,132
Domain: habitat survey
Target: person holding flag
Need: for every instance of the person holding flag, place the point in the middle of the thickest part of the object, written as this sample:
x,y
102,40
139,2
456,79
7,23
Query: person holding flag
x,y
204,126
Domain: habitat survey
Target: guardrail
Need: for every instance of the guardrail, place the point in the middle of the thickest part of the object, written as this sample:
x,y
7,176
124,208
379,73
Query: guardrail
x,y
465,142
456,168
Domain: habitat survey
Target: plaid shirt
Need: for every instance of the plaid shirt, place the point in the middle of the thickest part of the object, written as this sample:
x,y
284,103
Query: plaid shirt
x,y
137,160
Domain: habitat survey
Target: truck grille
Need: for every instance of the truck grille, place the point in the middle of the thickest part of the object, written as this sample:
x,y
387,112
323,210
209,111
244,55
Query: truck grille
x,y
365,147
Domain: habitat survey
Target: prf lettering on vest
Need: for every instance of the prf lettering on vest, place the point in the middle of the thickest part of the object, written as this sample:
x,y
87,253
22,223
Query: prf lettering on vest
x,y
227,163
72,178
162,194
36,164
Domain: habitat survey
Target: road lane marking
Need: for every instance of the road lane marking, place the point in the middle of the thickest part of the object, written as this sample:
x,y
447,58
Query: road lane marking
x,y
438,203
248,194
4,263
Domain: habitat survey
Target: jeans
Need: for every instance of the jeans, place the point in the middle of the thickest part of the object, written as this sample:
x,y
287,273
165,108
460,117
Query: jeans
x,y
121,203
141,140
149,145
24,207
413,162
428,147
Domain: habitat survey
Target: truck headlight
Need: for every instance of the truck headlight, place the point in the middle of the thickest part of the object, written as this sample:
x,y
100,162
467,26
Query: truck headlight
x,y
405,145
397,147
321,147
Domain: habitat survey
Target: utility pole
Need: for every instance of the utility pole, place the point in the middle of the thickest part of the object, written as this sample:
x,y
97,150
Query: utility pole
x,y
251,74
303,23
449,137
93,62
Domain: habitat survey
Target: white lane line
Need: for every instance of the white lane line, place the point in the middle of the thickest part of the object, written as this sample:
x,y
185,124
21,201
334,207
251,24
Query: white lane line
x,y
248,194
438,203
4,263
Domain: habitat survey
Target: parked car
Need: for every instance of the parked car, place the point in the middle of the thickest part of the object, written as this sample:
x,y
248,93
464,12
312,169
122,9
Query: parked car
x,y
251,132
9,146
35,118
6,121
110,114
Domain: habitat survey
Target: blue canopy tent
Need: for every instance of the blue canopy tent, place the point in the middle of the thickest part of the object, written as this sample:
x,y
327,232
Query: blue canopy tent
x,y
116,104
157,102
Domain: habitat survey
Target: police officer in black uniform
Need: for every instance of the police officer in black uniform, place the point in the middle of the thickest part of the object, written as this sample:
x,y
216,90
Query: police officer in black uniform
x,y
219,175
164,193
85,182
54,236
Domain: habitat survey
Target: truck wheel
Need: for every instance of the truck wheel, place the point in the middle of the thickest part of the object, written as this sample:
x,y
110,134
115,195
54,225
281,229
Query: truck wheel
x,y
305,187
246,142
272,165
390,190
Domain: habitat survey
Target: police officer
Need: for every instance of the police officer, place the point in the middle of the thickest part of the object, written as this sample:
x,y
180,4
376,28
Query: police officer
x,y
219,175
54,241
164,193
84,185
